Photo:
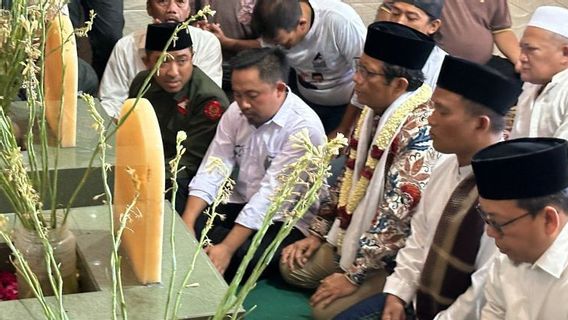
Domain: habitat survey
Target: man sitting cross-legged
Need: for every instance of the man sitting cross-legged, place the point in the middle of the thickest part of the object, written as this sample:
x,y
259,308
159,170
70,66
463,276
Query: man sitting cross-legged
x,y
390,161
253,140
443,266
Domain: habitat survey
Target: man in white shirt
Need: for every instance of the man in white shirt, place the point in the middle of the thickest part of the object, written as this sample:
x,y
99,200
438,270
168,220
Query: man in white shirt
x,y
252,139
523,198
542,110
321,39
443,264
126,60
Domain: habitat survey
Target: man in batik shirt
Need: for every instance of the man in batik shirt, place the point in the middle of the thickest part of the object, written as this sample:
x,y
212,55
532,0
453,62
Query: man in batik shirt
x,y
389,164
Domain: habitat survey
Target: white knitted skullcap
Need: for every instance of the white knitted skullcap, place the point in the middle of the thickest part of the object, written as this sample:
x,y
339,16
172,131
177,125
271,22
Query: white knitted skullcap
x,y
554,19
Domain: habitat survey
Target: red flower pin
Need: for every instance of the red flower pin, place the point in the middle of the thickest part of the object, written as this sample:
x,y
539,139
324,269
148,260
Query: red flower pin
x,y
213,110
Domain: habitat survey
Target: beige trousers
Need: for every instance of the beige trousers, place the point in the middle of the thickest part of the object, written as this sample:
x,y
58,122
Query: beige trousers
x,y
323,263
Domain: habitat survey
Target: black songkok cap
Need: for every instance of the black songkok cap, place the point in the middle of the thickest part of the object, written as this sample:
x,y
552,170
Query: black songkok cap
x,y
432,7
522,168
157,35
397,44
479,83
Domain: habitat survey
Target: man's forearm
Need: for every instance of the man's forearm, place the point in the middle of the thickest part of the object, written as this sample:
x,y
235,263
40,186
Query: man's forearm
x,y
193,208
238,235
237,45
508,44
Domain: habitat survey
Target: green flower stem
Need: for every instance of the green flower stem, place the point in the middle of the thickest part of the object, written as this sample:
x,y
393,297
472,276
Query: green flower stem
x,y
309,171
118,292
174,165
26,272
227,185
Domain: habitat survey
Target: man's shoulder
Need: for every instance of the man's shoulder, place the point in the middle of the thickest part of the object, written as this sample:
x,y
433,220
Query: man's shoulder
x,y
199,34
130,40
137,82
203,88
301,115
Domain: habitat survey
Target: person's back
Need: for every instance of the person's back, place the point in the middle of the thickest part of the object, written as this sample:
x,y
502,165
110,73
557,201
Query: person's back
x,y
484,21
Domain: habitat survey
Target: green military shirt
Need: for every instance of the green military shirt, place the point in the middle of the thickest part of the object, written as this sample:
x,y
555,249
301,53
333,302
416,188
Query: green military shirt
x,y
196,109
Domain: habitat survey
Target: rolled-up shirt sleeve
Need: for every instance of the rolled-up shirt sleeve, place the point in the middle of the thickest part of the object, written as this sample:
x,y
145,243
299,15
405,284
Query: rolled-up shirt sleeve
x,y
206,183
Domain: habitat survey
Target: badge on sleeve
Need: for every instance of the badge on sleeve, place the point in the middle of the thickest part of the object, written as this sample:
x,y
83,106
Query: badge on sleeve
x,y
182,106
213,110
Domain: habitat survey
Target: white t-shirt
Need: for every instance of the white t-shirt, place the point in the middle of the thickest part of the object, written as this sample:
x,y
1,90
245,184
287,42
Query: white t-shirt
x,y
324,58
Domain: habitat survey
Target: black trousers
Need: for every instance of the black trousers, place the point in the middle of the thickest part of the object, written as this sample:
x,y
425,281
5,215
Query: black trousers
x,y
222,228
107,27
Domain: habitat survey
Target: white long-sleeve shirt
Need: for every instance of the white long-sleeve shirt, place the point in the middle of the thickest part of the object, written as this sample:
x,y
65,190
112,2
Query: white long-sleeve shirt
x,y
259,154
125,63
526,291
410,260
544,114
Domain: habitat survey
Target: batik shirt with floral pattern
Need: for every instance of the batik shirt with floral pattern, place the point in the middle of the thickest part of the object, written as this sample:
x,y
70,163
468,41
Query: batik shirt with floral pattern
x,y
413,158
410,163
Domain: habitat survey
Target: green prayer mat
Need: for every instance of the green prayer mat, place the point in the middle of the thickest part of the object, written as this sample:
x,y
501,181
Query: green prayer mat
x,y
275,299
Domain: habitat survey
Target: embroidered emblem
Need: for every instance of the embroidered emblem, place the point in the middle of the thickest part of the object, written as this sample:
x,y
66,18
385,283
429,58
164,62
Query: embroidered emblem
x,y
238,151
213,110
319,62
182,106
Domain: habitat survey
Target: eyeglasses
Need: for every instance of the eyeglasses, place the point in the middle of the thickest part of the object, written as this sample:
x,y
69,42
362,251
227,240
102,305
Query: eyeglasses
x,y
497,226
364,72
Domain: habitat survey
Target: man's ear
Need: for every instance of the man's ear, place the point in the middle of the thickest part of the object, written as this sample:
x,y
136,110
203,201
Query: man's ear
x,y
303,25
281,87
148,8
565,52
551,220
400,84
434,26
146,60
483,123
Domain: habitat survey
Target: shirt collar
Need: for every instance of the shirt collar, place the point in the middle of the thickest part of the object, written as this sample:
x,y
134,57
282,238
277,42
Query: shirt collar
x,y
281,116
559,78
555,259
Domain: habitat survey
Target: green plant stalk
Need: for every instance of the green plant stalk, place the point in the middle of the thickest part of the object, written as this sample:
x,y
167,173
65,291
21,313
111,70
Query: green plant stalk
x,y
227,186
302,206
143,89
24,269
317,159
285,191
118,292
174,165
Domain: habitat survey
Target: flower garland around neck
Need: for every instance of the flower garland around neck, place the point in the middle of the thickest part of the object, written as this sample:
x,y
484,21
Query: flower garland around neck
x,y
348,199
